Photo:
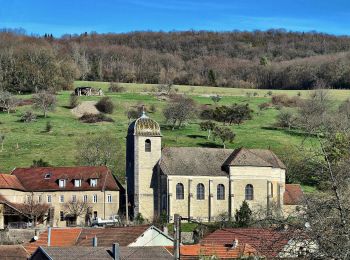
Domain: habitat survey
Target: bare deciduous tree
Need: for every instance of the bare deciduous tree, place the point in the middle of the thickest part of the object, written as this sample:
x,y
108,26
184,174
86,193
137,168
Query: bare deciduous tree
x,y
225,134
8,101
44,101
76,208
33,209
207,126
179,110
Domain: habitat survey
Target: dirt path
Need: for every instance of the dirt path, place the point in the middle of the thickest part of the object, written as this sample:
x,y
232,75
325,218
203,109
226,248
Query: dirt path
x,y
86,107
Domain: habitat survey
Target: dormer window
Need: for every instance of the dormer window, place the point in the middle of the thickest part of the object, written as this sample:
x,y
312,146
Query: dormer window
x,y
62,183
77,183
47,175
93,182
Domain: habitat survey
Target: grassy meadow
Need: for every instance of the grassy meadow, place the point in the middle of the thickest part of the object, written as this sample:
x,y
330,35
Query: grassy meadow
x,y
25,142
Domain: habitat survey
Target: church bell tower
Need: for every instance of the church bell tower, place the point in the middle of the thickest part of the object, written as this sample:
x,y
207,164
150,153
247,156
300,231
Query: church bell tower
x,y
143,151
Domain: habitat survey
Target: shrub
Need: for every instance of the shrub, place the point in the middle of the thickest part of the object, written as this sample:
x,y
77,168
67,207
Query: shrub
x,y
48,127
93,118
115,87
105,105
28,117
73,101
284,100
285,119
139,219
264,106
152,108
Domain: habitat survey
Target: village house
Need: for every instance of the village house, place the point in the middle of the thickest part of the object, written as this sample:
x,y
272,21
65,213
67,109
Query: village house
x,y
132,236
201,183
62,190
268,242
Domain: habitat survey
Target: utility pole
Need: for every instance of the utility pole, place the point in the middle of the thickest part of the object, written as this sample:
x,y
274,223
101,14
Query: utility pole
x,y
126,201
177,236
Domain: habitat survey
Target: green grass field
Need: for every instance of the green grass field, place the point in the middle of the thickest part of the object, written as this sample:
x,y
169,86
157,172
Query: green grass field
x,y
25,142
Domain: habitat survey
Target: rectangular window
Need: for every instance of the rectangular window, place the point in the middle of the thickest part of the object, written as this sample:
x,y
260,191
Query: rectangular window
x,y
29,198
77,183
85,198
74,198
61,216
39,199
94,198
95,214
49,199
109,198
93,182
61,198
62,183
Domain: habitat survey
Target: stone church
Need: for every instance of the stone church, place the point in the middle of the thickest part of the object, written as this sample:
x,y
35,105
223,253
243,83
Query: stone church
x,y
201,183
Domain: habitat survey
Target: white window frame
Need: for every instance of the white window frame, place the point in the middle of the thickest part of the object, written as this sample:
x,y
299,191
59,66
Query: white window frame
x,y
62,183
85,198
74,198
49,199
109,198
94,198
93,182
40,199
61,198
77,183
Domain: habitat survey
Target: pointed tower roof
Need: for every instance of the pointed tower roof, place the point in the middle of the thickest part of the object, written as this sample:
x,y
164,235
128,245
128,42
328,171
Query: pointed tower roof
x,y
144,126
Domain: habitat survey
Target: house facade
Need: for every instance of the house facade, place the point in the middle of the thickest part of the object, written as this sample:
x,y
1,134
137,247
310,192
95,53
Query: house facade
x,y
72,195
200,183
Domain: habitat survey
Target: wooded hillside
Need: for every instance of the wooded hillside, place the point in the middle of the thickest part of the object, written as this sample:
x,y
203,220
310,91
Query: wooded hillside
x,y
272,59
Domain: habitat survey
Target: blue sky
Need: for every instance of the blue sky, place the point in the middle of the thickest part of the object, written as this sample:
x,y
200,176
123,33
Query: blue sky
x,y
76,16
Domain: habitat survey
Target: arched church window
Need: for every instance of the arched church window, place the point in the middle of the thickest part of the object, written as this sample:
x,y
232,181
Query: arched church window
x,y
249,192
200,191
179,191
147,145
220,192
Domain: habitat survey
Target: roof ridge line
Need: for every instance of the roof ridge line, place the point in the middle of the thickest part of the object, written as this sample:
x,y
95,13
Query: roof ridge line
x,y
249,150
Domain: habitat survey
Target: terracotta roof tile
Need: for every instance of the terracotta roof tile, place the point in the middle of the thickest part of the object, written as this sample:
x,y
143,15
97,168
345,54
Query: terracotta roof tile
x,y
293,194
33,179
220,251
8,181
13,252
267,242
59,237
107,236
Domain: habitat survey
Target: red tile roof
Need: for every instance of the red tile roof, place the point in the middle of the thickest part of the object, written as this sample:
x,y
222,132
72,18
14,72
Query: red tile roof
x,y
220,251
33,179
293,195
59,237
8,181
13,252
107,236
267,242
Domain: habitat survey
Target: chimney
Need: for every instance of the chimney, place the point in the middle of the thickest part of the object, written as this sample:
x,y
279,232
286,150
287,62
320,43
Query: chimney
x,y
116,251
94,241
235,243
49,236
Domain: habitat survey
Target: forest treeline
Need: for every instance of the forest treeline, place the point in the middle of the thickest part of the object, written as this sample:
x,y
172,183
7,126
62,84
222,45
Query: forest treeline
x,y
273,59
